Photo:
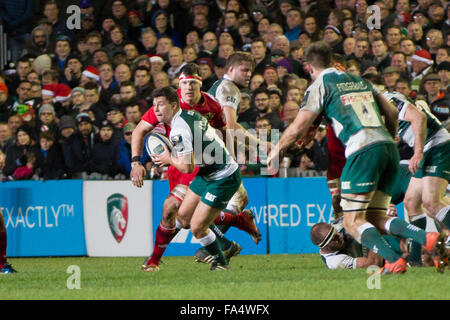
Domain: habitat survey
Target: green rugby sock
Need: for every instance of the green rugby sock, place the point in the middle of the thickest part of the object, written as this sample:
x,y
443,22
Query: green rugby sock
x,y
223,228
419,221
372,239
224,242
402,229
394,243
210,243
444,216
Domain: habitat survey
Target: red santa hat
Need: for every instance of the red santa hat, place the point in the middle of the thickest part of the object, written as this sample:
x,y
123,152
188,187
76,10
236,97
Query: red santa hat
x,y
50,89
423,56
404,17
92,73
155,58
62,92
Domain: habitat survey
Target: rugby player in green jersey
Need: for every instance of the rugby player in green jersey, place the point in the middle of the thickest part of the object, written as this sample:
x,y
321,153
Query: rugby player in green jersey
x,y
354,110
196,143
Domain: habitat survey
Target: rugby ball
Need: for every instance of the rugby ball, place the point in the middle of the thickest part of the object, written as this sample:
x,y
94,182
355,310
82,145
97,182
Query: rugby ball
x,y
155,144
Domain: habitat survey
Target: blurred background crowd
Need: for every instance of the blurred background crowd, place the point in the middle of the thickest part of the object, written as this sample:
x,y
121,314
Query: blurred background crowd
x,y
70,98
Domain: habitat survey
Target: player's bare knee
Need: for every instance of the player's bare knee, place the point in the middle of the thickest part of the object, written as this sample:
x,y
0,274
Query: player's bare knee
x,y
183,220
198,231
412,204
171,206
432,206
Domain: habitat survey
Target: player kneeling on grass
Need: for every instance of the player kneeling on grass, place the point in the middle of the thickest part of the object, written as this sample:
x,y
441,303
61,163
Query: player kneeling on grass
x,y
218,177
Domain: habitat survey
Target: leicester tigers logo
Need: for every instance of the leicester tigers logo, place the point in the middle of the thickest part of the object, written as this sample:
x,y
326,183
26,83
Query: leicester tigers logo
x,y
117,211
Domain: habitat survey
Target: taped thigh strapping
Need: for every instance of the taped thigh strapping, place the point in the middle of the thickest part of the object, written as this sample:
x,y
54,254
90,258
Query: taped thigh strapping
x,y
179,192
354,205
380,201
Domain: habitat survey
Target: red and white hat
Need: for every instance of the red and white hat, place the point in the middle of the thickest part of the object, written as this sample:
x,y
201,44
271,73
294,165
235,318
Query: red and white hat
x,y
92,73
423,56
50,89
155,58
62,92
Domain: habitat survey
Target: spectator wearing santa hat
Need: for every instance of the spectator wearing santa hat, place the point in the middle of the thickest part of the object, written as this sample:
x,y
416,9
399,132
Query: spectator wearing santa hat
x,y
62,101
62,93
421,63
91,73
157,64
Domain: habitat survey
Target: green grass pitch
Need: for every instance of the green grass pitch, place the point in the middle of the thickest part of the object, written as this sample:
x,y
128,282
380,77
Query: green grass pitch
x,y
253,277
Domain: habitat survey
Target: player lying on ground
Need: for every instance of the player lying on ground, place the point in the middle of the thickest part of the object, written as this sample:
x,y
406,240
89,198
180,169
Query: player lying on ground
x,y
340,251
354,110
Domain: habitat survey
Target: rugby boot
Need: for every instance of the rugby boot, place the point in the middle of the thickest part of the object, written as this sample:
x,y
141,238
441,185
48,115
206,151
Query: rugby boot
x,y
398,266
7,269
247,224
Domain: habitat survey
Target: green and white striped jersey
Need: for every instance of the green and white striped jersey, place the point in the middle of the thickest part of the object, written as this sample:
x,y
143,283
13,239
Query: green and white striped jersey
x,y
226,92
348,102
191,132
436,133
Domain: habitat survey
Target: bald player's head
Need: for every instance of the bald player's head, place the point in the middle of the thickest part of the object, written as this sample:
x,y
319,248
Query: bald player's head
x,y
326,237
319,231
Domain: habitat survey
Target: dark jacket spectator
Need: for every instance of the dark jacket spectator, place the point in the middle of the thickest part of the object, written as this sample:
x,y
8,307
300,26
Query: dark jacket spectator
x,y
50,158
16,155
105,153
124,161
77,148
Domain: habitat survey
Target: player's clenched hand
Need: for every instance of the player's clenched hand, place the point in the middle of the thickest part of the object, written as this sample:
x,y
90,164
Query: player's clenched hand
x,y
414,162
137,175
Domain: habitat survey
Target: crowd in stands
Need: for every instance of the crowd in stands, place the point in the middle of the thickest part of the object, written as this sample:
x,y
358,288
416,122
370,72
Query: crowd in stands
x,y
71,97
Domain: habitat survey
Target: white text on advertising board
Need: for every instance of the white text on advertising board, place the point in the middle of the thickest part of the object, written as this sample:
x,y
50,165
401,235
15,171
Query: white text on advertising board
x,y
36,216
290,215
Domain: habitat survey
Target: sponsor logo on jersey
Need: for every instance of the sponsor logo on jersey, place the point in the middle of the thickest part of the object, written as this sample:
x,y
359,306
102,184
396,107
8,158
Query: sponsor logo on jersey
x,y
357,97
178,143
365,184
345,185
231,99
430,169
210,197
351,86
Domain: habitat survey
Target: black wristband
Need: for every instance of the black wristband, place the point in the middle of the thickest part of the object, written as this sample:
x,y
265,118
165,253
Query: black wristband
x,y
136,159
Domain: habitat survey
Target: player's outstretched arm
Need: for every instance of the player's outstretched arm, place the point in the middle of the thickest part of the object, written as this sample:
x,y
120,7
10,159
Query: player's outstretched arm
x,y
418,121
296,129
233,125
